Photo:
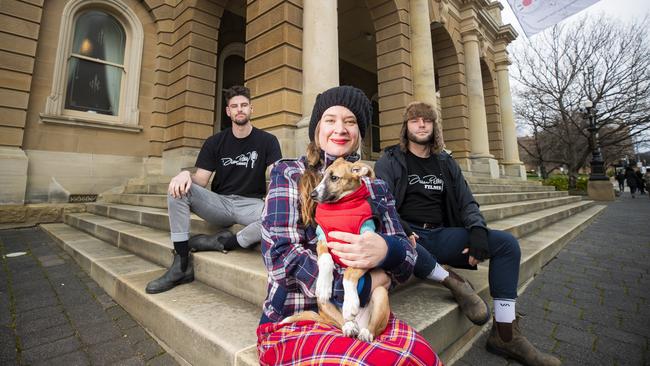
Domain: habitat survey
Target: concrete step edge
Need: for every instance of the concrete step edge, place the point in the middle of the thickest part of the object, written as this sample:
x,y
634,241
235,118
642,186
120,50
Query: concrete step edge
x,y
525,224
152,217
483,180
193,311
240,273
499,188
504,210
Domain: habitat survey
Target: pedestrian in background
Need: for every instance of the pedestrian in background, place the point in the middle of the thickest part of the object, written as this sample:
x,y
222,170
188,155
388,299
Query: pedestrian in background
x,y
630,177
620,177
639,181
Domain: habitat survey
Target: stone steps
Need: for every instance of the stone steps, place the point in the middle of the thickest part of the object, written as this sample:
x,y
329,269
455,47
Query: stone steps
x,y
202,325
153,188
502,188
151,217
150,210
242,273
507,181
496,198
503,210
157,185
124,243
195,311
149,199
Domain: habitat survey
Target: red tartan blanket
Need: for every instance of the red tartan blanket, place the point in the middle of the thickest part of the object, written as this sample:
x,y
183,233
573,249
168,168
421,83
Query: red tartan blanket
x,y
311,343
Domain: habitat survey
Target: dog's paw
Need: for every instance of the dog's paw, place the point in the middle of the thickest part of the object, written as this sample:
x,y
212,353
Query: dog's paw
x,y
365,335
350,329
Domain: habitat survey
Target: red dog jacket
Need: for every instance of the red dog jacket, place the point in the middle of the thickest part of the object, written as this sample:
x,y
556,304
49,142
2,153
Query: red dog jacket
x,y
347,214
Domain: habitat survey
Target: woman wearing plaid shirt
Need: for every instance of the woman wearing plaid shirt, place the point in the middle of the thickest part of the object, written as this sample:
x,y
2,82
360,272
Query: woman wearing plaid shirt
x,y
338,122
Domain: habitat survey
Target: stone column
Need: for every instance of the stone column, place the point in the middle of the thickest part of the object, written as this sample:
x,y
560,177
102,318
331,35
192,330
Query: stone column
x,y
483,162
512,165
320,60
424,84
20,38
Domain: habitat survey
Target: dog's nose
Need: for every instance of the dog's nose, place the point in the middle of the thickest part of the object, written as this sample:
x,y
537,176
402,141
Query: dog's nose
x,y
313,194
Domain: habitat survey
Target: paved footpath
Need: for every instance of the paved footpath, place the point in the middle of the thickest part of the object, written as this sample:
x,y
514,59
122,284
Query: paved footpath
x,y
53,313
591,304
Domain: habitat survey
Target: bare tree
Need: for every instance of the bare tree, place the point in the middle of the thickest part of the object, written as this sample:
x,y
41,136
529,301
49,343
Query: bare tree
x,y
594,59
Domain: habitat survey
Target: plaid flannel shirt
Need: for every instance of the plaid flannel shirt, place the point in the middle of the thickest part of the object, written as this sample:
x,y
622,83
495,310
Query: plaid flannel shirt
x,y
289,247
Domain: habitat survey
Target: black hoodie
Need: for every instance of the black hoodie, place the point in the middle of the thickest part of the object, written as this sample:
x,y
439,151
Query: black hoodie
x,y
460,209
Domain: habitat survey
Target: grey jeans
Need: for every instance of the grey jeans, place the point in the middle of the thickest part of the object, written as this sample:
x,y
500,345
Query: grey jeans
x,y
222,210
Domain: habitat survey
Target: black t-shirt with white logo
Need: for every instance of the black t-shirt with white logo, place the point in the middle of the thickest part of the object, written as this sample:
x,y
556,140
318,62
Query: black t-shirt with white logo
x,y
240,164
424,194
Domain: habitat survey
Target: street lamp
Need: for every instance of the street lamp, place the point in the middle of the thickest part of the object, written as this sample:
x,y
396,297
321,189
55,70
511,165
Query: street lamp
x,y
597,165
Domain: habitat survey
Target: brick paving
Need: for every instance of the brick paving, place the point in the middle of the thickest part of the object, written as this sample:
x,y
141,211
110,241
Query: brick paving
x,y
591,304
53,313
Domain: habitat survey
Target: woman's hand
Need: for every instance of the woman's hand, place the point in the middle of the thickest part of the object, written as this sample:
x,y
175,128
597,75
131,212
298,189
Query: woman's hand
x,y
180,184
413,239
364,251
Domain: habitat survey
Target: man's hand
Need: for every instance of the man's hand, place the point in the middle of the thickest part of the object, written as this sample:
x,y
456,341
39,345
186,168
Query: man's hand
x,y
478,245
472,261
364,251
180,184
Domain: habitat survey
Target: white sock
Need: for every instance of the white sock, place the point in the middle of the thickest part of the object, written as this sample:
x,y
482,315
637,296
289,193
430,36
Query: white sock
x,y
504,310
438,273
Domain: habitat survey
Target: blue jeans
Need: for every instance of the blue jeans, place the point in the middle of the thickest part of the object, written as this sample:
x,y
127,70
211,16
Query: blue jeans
x,y
444,245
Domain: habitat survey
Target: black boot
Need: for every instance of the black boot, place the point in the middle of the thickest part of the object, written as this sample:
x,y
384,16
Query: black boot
x,y
221,241
173,277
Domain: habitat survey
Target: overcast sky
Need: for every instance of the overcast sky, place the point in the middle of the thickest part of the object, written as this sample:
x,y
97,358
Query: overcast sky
x,y
623,10
619,9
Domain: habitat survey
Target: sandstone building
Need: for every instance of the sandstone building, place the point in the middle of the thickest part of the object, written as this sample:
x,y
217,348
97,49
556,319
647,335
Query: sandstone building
x,y
94,92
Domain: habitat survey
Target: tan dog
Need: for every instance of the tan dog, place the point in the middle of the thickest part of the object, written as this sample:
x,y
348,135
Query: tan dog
x,y
344,179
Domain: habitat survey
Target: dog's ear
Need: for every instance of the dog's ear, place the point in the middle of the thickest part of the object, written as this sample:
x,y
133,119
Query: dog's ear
x,y
360,170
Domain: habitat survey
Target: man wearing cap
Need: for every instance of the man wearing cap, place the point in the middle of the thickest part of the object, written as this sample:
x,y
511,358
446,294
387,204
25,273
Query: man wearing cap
x,y
439,214
239,155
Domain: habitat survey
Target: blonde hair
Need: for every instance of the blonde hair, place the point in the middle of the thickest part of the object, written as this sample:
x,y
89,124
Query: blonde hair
x,y
312,176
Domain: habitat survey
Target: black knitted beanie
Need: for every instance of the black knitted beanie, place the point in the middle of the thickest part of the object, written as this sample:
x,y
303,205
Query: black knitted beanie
x,y
348,96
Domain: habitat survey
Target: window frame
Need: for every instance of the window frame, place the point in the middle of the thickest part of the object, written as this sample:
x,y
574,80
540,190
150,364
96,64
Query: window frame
x,y
127,118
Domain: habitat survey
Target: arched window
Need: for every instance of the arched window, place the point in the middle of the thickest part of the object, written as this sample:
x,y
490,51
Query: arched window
x,y
97,68
96,64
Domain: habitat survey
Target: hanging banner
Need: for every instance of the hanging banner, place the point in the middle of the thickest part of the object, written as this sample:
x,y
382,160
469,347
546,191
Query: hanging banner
x,y
536,15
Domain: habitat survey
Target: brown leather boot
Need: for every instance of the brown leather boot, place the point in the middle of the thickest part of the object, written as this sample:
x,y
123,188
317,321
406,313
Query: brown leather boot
x,y
474,308
518,348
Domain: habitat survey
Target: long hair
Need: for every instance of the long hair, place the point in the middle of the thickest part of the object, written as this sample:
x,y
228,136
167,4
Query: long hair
x,y
312,176
422,110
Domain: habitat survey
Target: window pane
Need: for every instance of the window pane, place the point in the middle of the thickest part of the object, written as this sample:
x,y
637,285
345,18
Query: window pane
x,y
99,35
93,87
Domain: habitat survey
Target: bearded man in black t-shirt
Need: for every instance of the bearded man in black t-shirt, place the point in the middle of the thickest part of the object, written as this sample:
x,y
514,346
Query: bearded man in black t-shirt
x,y
443,221
239,157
